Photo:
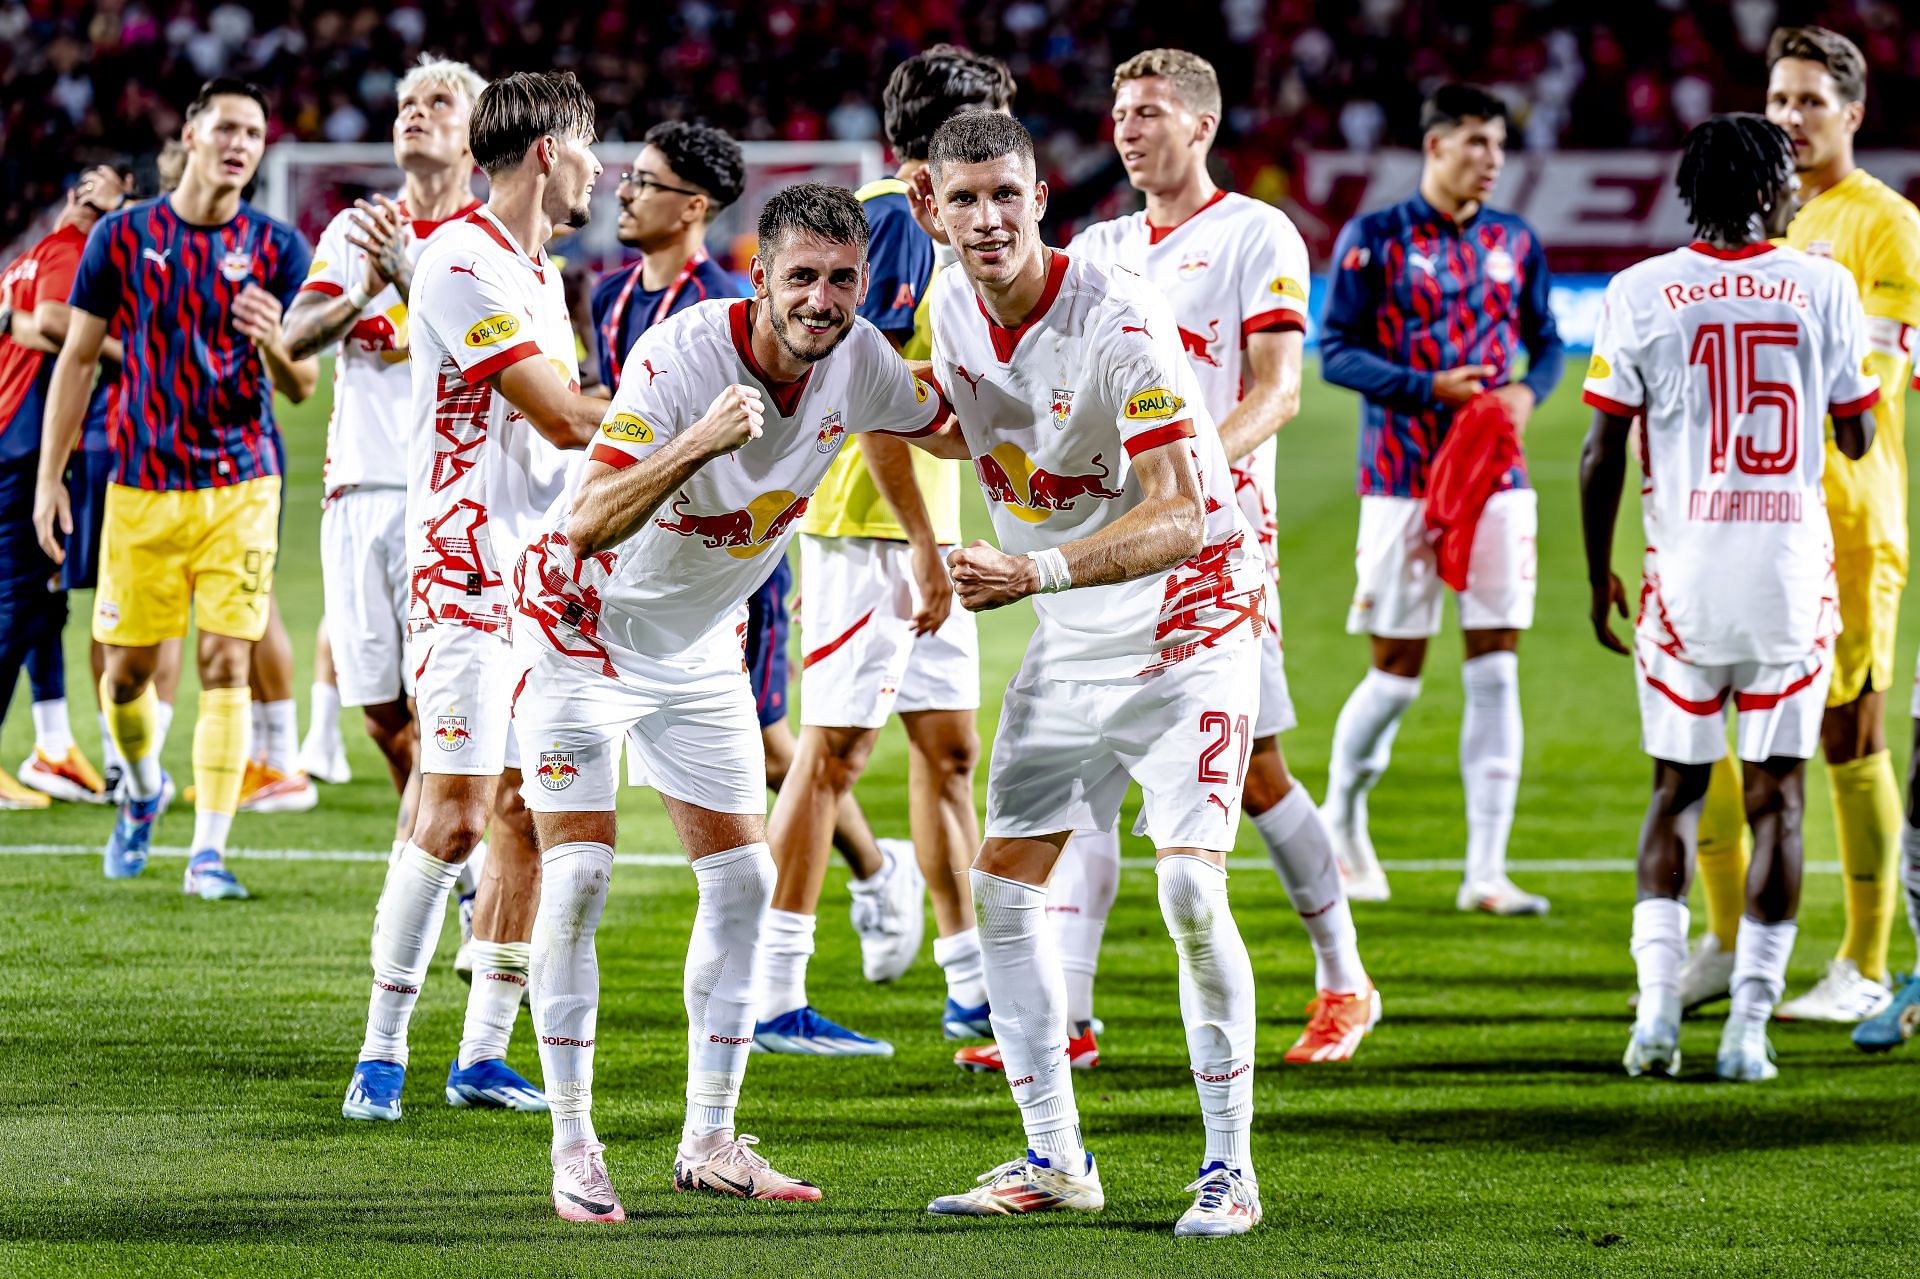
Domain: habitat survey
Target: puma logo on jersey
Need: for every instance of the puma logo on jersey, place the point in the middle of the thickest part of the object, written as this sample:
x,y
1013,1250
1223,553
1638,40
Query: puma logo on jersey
x,y
972,379
463,270
1136,328
157,257
1422,261
652,372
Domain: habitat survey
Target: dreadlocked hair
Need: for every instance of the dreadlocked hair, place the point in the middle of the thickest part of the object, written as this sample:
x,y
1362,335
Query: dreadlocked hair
x,y
1732,171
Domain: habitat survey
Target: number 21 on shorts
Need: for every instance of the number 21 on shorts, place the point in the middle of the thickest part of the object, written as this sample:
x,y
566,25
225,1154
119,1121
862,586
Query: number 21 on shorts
x,y
1220,730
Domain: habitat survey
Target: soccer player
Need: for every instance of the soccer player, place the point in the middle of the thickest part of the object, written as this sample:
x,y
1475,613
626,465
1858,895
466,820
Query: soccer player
x,y
1732,352
33,323
495,402
1113,505
1235,272
630,610
1816,90
199,278
881,636
1431,299
355,300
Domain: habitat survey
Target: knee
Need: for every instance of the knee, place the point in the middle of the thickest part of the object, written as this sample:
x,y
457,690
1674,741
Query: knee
x,y
951,758
833,764
450,835
577,877
1193,893
224,662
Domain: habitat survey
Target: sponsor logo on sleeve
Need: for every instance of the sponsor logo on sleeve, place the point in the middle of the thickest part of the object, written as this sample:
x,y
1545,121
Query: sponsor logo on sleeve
x,y
628,429
495,328
1598,367
319,265
919,391
1287,287
1154,404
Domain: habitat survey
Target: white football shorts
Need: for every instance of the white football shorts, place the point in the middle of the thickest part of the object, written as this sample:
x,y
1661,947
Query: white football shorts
x,y
463,686
862,662
1398,592
363,561
1276,702
1683,707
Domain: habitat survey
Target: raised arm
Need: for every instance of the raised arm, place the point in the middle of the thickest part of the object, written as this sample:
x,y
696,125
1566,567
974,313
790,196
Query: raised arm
x,y
326,308
619,493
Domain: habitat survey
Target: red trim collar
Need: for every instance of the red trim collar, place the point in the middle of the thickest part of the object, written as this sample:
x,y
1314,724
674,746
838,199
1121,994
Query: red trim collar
x,y
786,395
1155,234
1006,339
1753,250
423,228
480,218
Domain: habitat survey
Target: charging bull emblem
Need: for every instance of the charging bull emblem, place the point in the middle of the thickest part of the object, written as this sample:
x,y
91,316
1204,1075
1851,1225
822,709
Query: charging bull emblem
x,y
451,733
1009,477
742,534
556,770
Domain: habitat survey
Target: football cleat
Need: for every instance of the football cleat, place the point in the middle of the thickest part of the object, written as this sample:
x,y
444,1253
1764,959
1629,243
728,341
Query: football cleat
x,y
889,913
738,1170
13,795
1745,1056
1027,1184
1707,975
966,1023
325,760
70,778
1842,995
271,791
1083,1053
127,847
374,1091
463,958
582,1190
1226,1202
805,1033
1336,1024
492,1085
209,879
1654,1049
1893,1025
1500,897
1360,870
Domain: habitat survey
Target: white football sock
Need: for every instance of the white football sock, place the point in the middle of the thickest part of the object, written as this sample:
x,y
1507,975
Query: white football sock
x,y
1760,955
959,958
1216,1003
162,721
1491,739
1029,999
784,952
283,735
499,979
469,881
1363,740
1079,899
565,981
1302,856
52,733
1910,876
109,753
323,711
735,887
406,927
261,736
210,830
1659,948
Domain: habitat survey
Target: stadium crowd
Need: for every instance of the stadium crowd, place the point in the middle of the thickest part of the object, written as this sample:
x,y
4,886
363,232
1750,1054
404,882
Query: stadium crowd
x,y
81,81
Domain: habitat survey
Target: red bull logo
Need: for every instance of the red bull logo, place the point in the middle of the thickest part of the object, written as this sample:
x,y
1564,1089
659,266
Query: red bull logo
x,y
1031,493
1061,407
741,534
832,431
556,770
1199,347
383,335
451,732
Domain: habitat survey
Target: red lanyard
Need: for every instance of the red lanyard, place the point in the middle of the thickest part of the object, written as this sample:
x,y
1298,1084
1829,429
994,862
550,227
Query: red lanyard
x,y
610,331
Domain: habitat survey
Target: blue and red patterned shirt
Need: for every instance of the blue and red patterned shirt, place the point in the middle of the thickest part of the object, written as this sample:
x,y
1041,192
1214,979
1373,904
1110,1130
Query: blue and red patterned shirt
x,y
1413,293
195,406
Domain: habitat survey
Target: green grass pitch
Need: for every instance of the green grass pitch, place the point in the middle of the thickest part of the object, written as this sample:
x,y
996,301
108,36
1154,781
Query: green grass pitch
x,y
171,1071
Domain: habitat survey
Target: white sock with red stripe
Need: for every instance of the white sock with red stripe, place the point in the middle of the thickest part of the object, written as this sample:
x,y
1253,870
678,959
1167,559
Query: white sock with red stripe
x,y
499,979
565,981
1491,740
1659,948
1216,1003
784,952
1363,741
1079,898
735,887
406,926
1302,855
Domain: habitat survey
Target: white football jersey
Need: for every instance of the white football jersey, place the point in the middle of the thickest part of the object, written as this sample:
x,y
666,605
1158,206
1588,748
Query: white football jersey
x,y
652,599
372,385
479,476
1236,267
1053,413
1733,362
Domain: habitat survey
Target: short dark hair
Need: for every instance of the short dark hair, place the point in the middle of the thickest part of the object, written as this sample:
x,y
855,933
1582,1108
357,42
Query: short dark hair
x,y
704,156
975,137
516,111
1840,56
934,85
227,87
812,208
1450,104
1732,170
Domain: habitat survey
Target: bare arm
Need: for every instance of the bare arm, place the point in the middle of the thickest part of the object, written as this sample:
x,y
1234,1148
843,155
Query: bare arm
x,y
1853,436
1270,392
67,394
315,321
1168,526
565,419
614,502
891,466
1603,474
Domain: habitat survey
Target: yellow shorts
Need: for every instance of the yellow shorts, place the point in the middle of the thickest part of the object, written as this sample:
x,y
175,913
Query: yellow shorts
x,y
160,551
1870,580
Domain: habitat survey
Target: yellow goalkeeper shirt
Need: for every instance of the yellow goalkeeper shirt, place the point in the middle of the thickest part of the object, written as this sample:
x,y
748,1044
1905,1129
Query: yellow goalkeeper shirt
x,y
1874,232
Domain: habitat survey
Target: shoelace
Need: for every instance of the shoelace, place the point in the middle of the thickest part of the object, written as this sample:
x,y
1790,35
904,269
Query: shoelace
x,y
1017,1169
1215,1189
742,1152
585,1171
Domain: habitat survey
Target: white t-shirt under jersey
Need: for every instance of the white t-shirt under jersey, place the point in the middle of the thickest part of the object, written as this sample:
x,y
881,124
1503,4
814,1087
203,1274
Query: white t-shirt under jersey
x,y
372,385
1733,362
1235,268
479,476
655,597
1053,413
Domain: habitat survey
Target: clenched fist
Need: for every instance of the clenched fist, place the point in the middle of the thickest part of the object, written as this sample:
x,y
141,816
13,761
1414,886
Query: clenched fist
x,y
986,577
734,417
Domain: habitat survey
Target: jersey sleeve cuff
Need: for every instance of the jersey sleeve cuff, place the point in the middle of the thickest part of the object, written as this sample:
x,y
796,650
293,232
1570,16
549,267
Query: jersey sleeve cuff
x,y
1159,435
1605,405
1281,320
325,288
478,373
611,456
1853,407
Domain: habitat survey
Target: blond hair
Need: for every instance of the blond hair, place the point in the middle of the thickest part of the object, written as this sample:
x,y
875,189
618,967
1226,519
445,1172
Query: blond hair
x,y
1192,76
436,70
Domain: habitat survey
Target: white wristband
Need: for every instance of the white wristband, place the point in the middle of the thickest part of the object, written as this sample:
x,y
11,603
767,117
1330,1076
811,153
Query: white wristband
x,y
1052,567
358,297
